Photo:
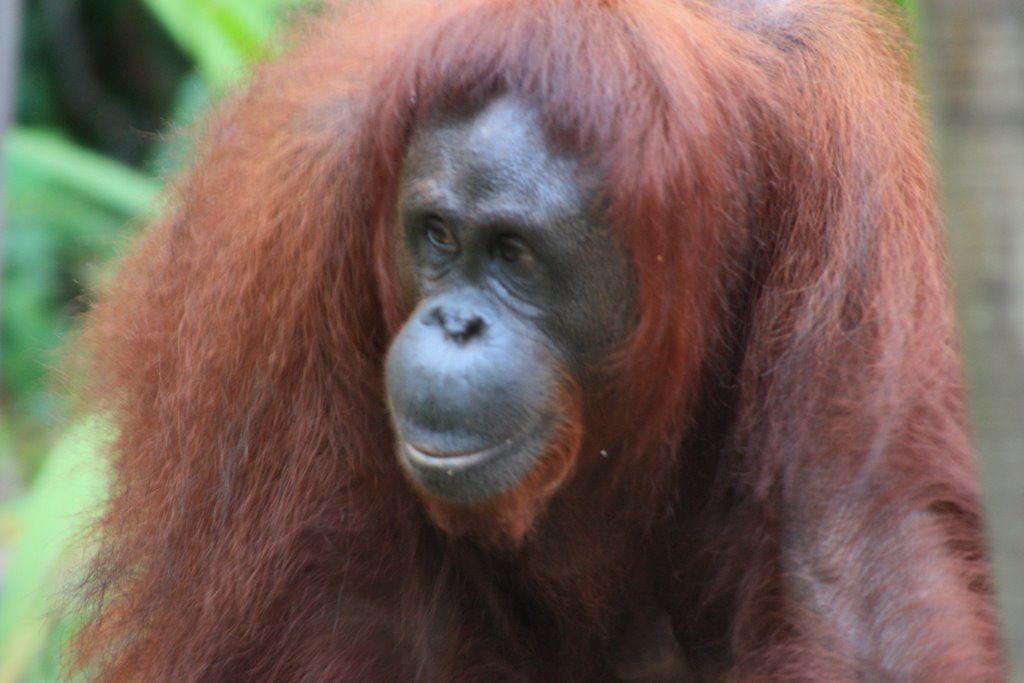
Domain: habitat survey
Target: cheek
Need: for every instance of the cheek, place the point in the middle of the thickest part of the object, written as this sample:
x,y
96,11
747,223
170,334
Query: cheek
x,y
409,289
597,312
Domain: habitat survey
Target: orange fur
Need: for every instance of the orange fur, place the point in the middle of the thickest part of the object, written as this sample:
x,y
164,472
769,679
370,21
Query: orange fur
x,y
792,482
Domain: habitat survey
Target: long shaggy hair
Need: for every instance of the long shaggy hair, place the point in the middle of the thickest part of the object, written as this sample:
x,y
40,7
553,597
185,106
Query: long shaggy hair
x,y
793,474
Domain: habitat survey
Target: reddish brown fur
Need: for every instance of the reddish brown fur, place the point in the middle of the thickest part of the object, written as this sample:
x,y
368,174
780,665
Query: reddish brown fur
x,y
793,480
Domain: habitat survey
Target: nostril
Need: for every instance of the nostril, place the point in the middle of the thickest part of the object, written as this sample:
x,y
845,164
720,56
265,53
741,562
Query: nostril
x,y
458,326
474,326
434,316
461,328
464,330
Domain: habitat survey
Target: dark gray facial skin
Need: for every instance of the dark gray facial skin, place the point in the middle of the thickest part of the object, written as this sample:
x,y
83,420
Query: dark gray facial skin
x,y
519,291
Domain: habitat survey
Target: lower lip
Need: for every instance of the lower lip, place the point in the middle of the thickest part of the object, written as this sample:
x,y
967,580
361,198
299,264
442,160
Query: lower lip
x,y
421,457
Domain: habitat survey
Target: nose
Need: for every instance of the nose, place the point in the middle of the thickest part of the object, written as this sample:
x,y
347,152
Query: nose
x,y
459,325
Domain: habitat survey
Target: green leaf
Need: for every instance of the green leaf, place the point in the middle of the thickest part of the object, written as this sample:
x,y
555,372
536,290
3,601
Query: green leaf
x,y
63,500
222,36
189,23
48,154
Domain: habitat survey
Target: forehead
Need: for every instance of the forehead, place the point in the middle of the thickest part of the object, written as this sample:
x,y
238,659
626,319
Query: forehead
x,y
496,156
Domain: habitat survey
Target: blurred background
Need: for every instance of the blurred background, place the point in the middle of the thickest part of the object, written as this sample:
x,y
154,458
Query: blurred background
x,y
95,100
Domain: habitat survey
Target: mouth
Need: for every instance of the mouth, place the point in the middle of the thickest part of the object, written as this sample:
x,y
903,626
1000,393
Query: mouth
x,y
456,460
474,476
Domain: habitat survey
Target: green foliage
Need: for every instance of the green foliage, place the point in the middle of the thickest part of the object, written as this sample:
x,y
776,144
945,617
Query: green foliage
x,y
66,206
223,36
45,159
46,558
